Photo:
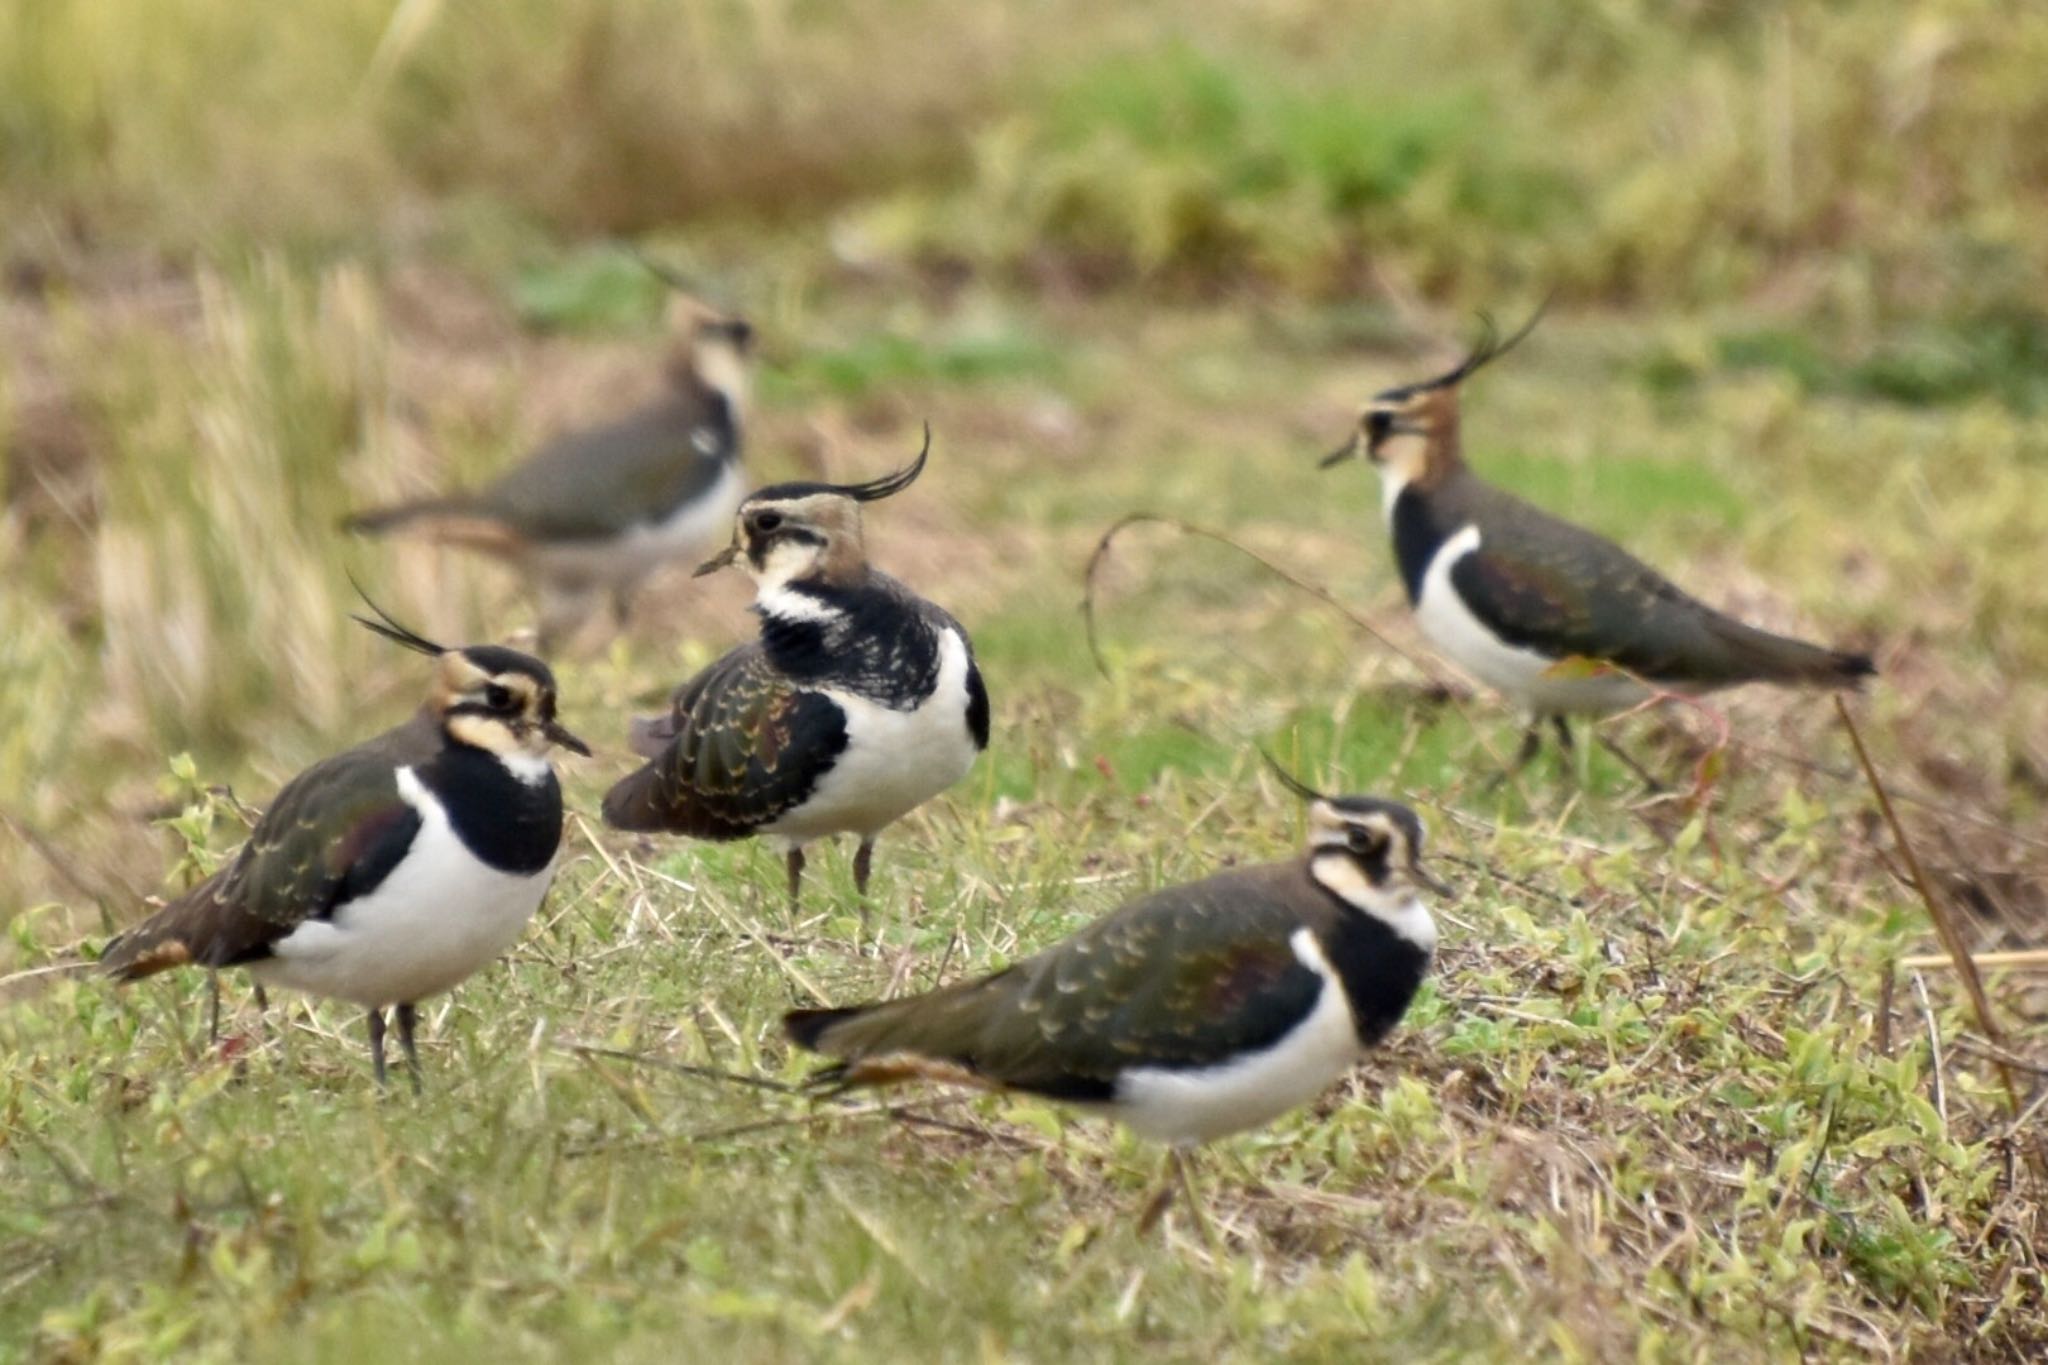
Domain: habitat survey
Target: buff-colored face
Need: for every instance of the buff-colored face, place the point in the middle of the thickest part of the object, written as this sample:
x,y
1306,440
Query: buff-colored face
x,y
500,701
1381,841
783,538
1402,432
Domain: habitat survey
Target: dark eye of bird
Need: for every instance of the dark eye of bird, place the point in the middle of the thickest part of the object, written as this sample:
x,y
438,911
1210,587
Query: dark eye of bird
x,y
1367,843
1379,425
767,521
498,697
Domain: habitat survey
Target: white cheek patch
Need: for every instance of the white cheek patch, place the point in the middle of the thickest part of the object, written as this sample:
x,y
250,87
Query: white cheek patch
x,y
787,561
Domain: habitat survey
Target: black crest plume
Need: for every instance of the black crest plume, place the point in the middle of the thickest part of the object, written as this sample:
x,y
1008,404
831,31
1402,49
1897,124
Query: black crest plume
x,y
1488,348
890,484
1289,780
389,627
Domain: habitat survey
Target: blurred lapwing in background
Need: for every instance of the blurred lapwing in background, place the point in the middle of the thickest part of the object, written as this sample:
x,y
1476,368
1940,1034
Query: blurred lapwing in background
x,y
1558,620
859,702
594,512
394,870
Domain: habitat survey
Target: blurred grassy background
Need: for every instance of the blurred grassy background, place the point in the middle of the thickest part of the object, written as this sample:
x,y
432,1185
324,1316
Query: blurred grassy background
x,y
263,264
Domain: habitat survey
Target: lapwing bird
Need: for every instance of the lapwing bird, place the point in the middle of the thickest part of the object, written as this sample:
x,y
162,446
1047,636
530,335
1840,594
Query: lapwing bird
x,y
1189,1014
394,870
1558,620
859,702
594,512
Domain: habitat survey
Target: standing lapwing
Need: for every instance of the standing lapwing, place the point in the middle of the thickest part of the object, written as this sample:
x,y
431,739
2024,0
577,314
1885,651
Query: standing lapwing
x,y
859,702
1189,1014
594,512
1559,620
395,869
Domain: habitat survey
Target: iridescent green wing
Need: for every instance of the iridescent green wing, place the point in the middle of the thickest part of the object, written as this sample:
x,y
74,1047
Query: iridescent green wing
x,y
741,745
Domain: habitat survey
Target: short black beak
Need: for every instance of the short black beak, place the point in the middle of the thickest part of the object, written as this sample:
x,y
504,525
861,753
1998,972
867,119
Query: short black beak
x,y
1430,881
557,733
718,561
1340,454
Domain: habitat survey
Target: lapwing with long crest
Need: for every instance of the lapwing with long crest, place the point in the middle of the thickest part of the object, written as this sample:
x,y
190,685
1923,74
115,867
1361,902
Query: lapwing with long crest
x,y
1560,621
1189,1014
394,870
859,701
594,512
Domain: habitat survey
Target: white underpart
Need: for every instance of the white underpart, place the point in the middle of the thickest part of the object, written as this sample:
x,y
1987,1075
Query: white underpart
x,y
894,761
441,915
1190,1106
694,531
532,769
1532,681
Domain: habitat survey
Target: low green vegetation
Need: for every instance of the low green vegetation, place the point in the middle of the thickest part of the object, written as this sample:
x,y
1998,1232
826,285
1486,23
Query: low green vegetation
x,y
1688,1083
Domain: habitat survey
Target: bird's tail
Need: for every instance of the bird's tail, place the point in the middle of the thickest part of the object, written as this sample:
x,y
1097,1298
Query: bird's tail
x,y
915,1038
638,802
1761,656
457,520
157,944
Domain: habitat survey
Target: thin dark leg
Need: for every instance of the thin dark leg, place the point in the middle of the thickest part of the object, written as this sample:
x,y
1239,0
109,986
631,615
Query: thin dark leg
x,y
796,879
408,1019
863,862
262,999
1161,1200
1194,1203
1532,743
213,1009
1564,733
377,1047
1613,746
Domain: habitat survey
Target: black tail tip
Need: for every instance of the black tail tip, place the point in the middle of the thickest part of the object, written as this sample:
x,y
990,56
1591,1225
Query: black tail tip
x,y
806,1028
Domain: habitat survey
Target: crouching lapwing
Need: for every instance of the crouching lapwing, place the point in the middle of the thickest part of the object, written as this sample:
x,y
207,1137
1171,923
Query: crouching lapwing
x,y
392,871
1557,619
1192,1013
859,702
594,512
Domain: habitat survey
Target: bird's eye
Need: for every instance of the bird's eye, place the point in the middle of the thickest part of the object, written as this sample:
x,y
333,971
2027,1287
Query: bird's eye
x,y
498,697
1367,843
767,521
1379,425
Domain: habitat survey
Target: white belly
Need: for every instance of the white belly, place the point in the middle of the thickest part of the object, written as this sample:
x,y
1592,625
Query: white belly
x,y
1532,681
1183,1107
894,761
694,530
440,916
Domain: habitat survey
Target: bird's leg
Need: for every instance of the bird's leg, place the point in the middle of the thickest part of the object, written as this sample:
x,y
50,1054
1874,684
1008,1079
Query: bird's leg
x,y
796,879
377,1047
408,1019
1179,1158
863,863
1161,1200
1532,744
213,1007
1613,746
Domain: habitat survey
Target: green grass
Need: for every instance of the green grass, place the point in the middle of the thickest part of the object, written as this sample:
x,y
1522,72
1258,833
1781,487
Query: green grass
x,y
1669,1095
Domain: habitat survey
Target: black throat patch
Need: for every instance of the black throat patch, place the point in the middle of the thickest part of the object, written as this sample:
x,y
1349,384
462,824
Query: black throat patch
x,y
511,825
1420,530
870,639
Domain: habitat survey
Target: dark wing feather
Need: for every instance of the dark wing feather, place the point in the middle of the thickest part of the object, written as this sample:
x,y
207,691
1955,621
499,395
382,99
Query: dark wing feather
x,y
331,835
1188,977
1547,585
598,483
743,745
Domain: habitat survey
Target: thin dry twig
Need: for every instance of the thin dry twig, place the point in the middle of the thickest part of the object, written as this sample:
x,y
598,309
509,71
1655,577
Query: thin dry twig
x,y
1937,910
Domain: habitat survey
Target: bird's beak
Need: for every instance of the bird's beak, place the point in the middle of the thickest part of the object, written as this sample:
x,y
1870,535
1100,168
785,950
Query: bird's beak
x,y
1340,454
557,733
718,561
1430,881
